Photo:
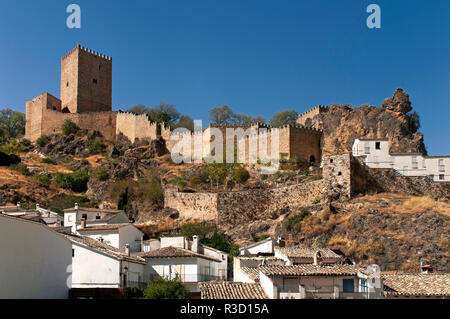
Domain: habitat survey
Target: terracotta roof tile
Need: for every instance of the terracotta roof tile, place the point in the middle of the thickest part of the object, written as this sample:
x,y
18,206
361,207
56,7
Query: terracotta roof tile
x,y
306,252
103,227
251,272
231,290
408,284
173,252
309,270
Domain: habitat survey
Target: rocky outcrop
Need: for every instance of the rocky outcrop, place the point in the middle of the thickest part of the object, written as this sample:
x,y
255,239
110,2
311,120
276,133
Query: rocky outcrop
x,y
341,125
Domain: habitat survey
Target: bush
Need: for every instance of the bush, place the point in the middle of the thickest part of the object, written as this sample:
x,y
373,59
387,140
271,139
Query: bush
x,y
241,175
69,127
122,203
21,168
133,293
47,160
101,174
95,146
17,146
294,221
42,141
76,181
43,180
63,201
166,289
84,162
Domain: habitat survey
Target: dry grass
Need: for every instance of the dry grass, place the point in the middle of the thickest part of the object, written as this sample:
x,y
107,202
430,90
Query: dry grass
x,y
415,205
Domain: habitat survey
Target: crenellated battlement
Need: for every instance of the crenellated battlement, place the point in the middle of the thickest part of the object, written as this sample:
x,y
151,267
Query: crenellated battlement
x,y
87,50
309,114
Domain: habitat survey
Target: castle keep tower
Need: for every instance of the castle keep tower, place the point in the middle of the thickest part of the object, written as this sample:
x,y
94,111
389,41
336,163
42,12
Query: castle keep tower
x,y
86,81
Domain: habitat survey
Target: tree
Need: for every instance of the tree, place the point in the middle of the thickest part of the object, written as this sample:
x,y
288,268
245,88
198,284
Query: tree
x,y
414,122
166,289
139,109
122,203
164,113
185,121
283,118
221,115
12,123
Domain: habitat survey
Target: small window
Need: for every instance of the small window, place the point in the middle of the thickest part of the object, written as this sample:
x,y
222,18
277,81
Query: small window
x,y
73,252
377,145
97,217
340,174
441,177
84,216
349,285
94,81
69,218
331,160
99,67
67,84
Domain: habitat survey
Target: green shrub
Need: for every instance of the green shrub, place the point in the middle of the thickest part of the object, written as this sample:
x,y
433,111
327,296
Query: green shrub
x,y
95,146
84,162
101,174
292,222
16,146
150,189
47,160
241,175
316,200
122,203
133,293
257,238
43,180
166,289
179,182
76,181
42,141
69,127
63,201
21,168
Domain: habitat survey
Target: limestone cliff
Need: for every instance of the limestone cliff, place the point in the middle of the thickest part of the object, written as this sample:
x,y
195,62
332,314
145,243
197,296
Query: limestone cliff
x,y
341,125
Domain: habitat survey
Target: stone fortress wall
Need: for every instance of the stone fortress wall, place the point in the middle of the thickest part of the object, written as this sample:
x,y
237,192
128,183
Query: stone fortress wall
x,y
86,95
303,118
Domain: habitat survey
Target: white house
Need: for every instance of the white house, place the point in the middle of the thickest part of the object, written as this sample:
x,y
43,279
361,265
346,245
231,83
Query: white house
x,y
98,265
305,255
50,218
265,246
188,260
35,260
92,216
116,235
309,281
377,155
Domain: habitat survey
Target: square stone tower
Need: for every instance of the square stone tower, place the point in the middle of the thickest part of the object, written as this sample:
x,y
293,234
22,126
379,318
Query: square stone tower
x,y
86,81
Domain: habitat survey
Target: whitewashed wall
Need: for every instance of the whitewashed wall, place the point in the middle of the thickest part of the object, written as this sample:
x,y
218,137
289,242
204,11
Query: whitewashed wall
x,y
34,261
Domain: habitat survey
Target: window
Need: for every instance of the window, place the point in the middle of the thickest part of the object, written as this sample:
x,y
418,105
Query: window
x,y
94,81
367,149
67,84
348,285
331,160
339,173
441,177
363,285
415,164
84,216
69,218
441,165
97,217
377,145
73,252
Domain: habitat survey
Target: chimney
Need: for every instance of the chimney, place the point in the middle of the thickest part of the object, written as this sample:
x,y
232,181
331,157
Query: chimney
x,y
317,258
83,223
18,205
76,206
37,206
127,249
195,244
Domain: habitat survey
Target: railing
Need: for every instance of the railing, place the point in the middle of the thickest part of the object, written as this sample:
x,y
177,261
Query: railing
x,y
188,277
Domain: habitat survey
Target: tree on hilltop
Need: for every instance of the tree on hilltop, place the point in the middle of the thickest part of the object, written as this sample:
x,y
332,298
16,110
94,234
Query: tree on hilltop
x,y
284,118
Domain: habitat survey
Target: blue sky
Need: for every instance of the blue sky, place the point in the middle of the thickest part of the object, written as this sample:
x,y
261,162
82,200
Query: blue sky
x,y
257,56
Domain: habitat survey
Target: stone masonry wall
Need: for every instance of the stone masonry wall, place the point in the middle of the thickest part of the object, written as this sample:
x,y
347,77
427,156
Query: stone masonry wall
x,y
303,118
237,207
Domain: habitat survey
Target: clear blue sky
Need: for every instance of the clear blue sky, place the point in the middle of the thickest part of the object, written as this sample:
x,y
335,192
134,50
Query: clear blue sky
x,y
256,56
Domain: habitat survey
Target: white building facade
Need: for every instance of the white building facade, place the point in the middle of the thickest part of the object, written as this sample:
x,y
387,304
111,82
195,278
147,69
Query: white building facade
x,y
35,260
377,155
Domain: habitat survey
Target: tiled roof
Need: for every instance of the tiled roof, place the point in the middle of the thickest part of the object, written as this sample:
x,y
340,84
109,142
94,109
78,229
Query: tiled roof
x,y
309,270
103,227
251,272
173,252
306,252
103,248
231,290
409,284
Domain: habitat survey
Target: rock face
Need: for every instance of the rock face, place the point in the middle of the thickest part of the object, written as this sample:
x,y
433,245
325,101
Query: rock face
x,y
341,125
399,103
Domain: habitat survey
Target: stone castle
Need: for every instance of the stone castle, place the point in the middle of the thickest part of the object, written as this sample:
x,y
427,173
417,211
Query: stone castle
x,y
86,100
